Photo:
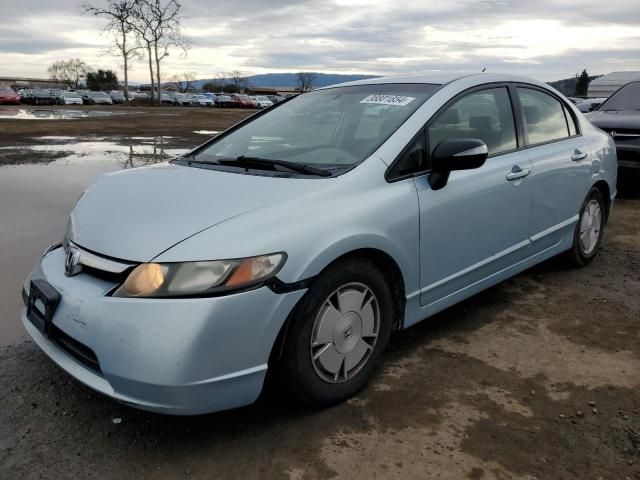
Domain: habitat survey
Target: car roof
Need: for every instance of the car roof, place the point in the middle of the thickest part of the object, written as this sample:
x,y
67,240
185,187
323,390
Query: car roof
x,y
441,78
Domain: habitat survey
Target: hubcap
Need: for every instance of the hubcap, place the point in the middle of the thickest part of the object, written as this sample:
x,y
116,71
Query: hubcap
x,y
345,332
590,227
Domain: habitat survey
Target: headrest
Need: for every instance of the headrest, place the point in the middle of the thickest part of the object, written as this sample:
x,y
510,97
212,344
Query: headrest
x,y
482,122
531,115
450,117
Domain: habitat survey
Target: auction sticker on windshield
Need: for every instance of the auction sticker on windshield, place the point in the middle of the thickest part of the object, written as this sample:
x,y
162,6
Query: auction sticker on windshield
x,y
388,100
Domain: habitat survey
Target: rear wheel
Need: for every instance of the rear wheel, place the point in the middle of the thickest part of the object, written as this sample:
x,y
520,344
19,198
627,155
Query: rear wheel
x,y
589,229
337,334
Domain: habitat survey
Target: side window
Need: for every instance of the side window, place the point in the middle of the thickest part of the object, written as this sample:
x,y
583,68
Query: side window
x,y
543,116
486,115
571,121
413,159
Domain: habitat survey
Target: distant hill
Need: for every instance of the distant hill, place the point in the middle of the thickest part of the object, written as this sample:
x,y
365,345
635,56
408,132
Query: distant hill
x,y
290,79
568,85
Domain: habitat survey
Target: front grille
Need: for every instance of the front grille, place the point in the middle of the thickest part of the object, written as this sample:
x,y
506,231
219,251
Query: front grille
x,y
100,266
623,135
75,349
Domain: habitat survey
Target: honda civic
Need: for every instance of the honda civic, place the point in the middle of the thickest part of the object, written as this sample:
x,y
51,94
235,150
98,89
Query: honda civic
x,y
296,242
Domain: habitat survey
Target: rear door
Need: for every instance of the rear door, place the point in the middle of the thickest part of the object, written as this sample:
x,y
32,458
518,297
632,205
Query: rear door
x,y
561,159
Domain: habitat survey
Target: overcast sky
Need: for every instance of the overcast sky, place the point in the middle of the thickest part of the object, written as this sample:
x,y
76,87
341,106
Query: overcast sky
x,y
546,39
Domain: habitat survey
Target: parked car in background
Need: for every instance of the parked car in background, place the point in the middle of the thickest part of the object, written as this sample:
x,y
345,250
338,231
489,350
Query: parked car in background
x,y
243,101
117,96
275,98
261,101
575,100
56,95
298,241
190,100
224,101
41,96
589,104
71,98
619,116
137,95
204,101
9,97
168,98
97,98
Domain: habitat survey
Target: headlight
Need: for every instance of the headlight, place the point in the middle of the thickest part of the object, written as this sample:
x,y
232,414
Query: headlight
x,y
198,278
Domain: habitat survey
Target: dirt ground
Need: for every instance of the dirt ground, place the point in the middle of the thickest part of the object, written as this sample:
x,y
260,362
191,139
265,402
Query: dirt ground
x,y
536,378
126,121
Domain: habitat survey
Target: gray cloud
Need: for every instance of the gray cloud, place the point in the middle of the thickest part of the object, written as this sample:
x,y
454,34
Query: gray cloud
x,y
328,35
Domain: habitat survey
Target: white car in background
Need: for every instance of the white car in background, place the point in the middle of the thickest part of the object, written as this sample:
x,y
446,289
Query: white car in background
x,y
70,98
262,101
204,101
589,104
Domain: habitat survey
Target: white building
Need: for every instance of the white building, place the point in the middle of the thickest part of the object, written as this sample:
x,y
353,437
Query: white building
x,y
609,83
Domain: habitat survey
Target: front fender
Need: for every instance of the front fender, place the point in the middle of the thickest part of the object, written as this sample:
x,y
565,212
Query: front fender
x,y
358,213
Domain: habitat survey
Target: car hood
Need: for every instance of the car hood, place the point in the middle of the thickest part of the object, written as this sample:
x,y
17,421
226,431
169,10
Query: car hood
x,y
615,119
137,214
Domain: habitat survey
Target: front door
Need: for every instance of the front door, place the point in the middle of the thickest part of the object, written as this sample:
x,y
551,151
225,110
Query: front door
x,y
477,225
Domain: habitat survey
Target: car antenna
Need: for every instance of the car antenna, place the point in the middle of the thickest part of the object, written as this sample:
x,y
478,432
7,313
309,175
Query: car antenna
x,y
483,70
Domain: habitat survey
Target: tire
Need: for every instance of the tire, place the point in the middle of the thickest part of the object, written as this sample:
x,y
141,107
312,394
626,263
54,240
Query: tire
x,y
321,382
587,235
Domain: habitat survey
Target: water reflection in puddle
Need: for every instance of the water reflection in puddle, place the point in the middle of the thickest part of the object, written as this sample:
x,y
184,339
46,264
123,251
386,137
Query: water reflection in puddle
x,y
123,153
38,191
54,114
206,132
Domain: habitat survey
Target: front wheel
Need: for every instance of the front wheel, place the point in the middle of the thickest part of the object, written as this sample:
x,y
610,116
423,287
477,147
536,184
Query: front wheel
x,y
589,229
337,334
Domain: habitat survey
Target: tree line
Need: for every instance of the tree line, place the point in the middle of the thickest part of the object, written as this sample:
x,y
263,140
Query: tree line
x,y
74,72
147,28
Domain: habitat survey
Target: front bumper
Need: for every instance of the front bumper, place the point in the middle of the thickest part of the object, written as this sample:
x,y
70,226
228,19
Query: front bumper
x,y
176,356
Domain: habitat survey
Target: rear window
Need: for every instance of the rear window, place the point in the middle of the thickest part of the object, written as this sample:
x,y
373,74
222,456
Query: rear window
x,y
625,98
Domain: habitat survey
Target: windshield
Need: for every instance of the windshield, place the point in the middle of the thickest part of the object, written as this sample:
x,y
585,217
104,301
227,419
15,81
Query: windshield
x,y
625,98
336,127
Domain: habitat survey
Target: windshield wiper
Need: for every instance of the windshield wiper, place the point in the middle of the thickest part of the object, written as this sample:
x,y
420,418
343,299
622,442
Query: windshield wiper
x,y
258,162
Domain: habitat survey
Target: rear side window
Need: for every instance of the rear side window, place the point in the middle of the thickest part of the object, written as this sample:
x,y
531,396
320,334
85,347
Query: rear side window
x,y
544,116
485,115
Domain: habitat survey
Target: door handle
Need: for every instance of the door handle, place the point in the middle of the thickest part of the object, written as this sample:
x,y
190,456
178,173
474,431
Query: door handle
x,y
517,172
578,155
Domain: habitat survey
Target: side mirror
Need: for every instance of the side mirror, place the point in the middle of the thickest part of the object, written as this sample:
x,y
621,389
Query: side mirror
x,y
455,154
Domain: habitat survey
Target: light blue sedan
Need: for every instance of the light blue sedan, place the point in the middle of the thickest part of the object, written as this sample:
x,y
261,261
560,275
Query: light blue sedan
x,y
299,240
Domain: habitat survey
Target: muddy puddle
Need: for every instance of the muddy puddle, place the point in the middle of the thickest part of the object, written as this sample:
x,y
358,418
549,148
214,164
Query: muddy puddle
x,y
39,185
54,114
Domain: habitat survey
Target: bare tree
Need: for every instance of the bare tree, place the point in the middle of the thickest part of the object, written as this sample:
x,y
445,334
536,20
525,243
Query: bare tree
x,y
239,80
219,81
306,81
157,23
184,81
144,37
71,71
120,15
